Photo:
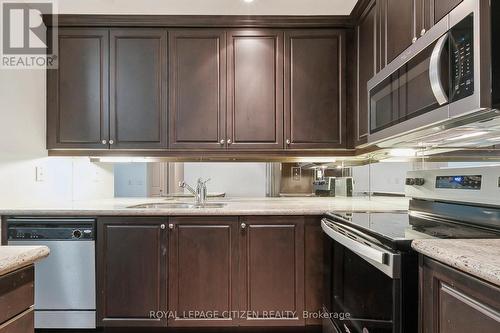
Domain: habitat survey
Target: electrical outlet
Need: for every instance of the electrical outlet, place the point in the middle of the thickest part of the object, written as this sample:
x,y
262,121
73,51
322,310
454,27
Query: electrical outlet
x,y
40,174
296,174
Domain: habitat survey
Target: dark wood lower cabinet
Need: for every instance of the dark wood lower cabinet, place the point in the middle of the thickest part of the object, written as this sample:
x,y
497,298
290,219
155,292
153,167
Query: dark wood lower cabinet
x,y
203,271
16,301
272,271
209,271
131,271
454,302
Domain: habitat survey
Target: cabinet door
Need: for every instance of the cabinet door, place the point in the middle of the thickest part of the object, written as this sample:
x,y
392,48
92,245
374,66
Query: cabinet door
x,y
77,92
400,27
315,89
366,38
255,89
423,16
197,76
454,302
138,97
131,271
202,271
272,271
443,7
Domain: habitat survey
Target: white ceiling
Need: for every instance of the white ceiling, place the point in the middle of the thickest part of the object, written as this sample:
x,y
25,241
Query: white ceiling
x,y
207,7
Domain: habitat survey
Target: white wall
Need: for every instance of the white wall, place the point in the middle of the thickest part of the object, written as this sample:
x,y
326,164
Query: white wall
x,y
384,177
131,180
235,179
208,7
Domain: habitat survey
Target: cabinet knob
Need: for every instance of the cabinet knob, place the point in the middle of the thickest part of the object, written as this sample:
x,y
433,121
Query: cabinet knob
x,y
288,141
222,141
171,226
243,225
104,142
162,226
414,40
423,32
111,142
229,141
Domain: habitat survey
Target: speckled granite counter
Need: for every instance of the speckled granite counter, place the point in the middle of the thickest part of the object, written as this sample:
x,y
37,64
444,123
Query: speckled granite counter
x,y
477,257
15,257
256,206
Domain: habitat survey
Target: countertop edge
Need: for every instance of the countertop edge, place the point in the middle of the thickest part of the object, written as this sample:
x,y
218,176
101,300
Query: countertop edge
x,y
438,250
25,256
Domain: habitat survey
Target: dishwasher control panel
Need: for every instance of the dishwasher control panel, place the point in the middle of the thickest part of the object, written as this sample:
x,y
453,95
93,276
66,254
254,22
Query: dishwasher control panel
x,y
50,230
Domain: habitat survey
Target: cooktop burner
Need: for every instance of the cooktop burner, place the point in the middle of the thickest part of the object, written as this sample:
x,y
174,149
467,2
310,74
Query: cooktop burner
x,y
398,229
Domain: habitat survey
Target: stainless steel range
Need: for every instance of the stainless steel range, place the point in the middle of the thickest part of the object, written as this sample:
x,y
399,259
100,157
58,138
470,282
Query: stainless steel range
x,y
373,272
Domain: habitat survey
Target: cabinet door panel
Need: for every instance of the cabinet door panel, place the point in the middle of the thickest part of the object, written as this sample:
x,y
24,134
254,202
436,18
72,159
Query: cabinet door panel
x,y
197,88
77,92
202,271
366,69
138,108
272,270
255,94
315,89
454,302
131,271
443,7
400,27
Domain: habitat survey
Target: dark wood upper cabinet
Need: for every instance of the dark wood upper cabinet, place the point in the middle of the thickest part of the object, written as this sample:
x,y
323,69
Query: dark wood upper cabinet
x,y
77,92
202,270
400,25
443,7
197,99
255,89
272,270
131,271
315,96
454,302
138,113
366,60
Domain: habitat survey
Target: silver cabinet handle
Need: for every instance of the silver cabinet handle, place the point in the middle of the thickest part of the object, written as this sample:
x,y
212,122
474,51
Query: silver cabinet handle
x,y
414,40
243,225
229,141
162,226
422,32
288,141
222,141
171,226
111,142
104,142
435,73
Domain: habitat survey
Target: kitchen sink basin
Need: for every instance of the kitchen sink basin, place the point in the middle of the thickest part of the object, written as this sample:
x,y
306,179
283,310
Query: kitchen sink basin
x,y
179,205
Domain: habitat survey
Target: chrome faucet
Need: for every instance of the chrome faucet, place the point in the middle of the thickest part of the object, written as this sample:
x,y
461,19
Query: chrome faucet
x,y
200,194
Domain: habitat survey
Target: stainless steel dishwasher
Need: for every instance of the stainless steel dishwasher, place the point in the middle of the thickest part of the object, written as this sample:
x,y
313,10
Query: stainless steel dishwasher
x,y
65,295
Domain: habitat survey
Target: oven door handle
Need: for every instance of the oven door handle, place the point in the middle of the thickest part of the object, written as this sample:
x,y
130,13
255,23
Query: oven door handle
x,y
355,246
435,72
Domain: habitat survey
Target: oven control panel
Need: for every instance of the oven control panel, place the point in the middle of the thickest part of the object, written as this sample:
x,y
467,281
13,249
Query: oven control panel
x,y
459,182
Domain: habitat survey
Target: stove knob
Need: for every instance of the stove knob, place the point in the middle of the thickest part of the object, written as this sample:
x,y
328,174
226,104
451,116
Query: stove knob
x,y
410,181
419,181
77,234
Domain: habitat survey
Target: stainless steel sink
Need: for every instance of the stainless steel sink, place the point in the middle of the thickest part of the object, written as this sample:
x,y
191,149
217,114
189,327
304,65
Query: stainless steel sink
x,y
178,205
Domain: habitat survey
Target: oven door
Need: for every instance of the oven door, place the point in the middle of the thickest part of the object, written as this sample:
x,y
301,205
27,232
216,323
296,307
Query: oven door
x,y
363,282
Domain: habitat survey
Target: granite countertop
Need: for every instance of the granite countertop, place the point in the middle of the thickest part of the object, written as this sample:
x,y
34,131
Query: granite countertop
x,y
15,257
233,206
477,257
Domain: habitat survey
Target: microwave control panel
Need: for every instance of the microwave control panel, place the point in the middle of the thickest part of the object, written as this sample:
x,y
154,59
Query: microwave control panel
x,y
462,59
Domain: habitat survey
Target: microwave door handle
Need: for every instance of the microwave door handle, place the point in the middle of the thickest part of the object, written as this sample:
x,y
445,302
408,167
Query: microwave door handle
x,y
435,72
355,246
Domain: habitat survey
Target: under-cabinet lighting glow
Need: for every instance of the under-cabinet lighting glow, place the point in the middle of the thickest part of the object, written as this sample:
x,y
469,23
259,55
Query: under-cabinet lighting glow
x,y
403,152
248,1
467,136
120,159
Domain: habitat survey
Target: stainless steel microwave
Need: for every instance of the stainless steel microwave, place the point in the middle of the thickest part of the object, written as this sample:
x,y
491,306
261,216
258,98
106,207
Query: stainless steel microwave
x,y
447,78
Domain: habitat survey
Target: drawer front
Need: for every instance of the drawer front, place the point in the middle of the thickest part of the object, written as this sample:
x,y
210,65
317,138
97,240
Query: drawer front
x,y
16,293
23,323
